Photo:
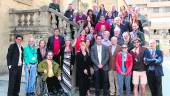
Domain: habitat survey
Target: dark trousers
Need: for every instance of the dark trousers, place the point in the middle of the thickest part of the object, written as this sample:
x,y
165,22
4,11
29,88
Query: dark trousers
x,y
14,81
84,83
105,82
56,58
53,84
155,84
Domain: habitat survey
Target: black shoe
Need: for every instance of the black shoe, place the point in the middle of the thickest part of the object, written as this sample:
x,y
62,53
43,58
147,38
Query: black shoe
x,y
32,94
27,94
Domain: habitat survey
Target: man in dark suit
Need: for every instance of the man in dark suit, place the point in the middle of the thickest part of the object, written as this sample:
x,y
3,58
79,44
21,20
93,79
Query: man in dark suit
x,y
153,58
114,49
14,63
55,44
69,13
100,58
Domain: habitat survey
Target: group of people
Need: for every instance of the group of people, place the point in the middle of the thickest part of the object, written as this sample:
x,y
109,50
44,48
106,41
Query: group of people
x,y
110,48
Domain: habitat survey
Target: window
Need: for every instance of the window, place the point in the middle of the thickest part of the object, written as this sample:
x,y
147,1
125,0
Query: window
x,y
167,9
164,0
155,31
155,10
154,0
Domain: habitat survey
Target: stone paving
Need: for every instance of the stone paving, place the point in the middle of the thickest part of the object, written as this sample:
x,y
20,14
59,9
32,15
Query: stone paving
x,y
165,83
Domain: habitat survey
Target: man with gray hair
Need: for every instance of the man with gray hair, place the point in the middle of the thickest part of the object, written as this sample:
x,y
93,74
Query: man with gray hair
x,y
117,33
153,58
30,61
114,49
105,40
123,26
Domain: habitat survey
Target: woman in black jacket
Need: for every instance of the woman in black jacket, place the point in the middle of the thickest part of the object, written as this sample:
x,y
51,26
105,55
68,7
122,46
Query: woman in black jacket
x,y
83,69
41,51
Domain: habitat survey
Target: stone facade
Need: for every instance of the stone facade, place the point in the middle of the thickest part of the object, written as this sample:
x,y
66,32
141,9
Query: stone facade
x,y
5,5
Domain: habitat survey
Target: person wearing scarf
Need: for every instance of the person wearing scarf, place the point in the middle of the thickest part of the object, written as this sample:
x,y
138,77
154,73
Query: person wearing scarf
x,y
124,64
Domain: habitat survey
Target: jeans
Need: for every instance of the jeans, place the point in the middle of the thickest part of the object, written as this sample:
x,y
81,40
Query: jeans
x,y
30,77
121,80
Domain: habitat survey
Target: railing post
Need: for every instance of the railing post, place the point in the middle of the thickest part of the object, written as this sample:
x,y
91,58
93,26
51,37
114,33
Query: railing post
x,y
53,20
13,18
44,16
68,31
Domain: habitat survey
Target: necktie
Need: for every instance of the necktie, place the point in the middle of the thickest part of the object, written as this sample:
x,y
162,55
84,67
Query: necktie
x,y
152,53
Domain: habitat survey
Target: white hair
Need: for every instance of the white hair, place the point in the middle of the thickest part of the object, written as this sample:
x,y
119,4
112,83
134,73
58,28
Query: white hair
x,y
117,29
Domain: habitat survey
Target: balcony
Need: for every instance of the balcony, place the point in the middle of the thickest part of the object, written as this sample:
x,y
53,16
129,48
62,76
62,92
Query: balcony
x,y
158,15
135,1
160,26
158,4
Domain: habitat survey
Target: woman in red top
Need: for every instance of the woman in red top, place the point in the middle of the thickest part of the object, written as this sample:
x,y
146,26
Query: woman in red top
x,y
124,64
80,38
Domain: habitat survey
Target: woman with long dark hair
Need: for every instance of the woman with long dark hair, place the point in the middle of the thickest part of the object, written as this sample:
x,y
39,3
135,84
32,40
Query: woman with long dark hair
x,y
41,51
67,64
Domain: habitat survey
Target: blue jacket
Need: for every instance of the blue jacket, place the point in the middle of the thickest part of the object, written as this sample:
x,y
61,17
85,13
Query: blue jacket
x,y
155,62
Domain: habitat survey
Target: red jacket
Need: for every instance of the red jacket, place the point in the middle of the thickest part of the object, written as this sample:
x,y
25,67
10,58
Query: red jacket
x,y
98,26
128,63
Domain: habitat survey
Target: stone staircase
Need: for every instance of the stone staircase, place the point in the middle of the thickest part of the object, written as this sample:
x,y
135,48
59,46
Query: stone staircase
x,y
40,23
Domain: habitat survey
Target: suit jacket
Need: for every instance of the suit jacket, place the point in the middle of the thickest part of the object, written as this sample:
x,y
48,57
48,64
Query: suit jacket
x,y
50,43
156,62
105,57
69,14
112,58
13,55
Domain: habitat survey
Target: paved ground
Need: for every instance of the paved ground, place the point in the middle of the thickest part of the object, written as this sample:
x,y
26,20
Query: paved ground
x,y
166,80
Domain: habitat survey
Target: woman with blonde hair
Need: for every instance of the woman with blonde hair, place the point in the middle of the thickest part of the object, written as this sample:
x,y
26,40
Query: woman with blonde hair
x,y
83,69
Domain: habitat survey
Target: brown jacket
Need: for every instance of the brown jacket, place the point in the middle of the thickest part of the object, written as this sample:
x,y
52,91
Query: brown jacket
x,y
112,58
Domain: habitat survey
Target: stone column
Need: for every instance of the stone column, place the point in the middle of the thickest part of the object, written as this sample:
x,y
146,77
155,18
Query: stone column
x,y
45,19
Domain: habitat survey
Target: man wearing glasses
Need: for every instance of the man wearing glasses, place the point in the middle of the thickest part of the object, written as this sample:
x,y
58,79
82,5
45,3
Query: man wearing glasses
x,y
139,67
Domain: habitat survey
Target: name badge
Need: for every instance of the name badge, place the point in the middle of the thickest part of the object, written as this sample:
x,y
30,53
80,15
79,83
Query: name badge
x,y
33,58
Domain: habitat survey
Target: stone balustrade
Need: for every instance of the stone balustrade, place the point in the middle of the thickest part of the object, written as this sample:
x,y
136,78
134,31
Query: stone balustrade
x,y
39,22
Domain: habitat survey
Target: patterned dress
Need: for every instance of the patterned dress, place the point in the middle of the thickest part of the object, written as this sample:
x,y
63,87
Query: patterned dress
x,y
66,75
